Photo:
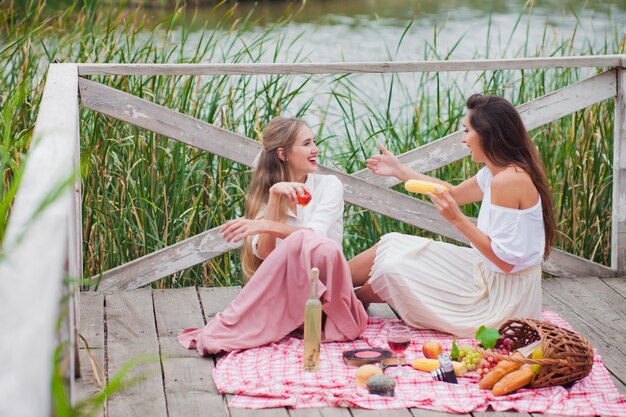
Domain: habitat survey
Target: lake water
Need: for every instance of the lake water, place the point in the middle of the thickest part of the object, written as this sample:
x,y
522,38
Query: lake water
x,y
405,30
371,30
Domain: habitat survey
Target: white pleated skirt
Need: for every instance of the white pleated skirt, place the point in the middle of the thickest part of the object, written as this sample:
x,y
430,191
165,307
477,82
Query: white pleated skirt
x,y
437,285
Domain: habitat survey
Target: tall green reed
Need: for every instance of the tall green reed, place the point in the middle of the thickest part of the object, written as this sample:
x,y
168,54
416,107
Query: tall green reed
x,y
136,172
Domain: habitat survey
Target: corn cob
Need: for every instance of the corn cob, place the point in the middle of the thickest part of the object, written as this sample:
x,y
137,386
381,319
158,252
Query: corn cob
x,y
429,365
422,187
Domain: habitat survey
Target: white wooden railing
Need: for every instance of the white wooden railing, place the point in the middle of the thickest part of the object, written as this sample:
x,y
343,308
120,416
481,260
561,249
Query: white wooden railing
x,y
32,273
43,246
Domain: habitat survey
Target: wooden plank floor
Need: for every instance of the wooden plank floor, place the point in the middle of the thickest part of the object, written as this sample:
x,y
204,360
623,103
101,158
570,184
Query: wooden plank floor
x,y
176,382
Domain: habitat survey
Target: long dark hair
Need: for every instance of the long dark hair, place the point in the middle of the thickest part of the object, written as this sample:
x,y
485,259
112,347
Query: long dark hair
x,y
505,141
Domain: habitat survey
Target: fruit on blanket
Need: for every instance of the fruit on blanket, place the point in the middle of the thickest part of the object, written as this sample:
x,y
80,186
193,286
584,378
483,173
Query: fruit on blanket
x,y
503,347
513,381
537,354
500,371
429,365
469,356
383,385
505,343
485,366
432,349
304,199
423,187
365,372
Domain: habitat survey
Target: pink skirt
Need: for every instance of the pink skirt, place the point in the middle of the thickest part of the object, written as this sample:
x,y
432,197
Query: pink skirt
x,y
271,304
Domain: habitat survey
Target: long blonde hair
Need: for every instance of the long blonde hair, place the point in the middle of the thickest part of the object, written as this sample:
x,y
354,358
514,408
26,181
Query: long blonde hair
x,y
280,132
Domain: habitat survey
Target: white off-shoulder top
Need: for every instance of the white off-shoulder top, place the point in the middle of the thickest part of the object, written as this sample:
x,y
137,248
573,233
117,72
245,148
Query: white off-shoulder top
x,y
517,236
324,214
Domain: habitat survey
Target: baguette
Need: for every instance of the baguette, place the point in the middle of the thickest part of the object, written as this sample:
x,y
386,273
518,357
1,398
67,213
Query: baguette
x,y
502,369
513,381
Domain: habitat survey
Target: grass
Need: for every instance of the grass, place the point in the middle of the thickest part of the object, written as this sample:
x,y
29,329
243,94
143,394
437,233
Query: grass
x,y
143,192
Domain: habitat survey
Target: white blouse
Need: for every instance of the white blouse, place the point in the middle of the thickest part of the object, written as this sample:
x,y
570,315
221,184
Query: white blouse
x,y
323,214
517,236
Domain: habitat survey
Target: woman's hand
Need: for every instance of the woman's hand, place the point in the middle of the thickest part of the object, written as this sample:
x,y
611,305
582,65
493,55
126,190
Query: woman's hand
x,y
289,189
239,229
449,210
385,164
447,206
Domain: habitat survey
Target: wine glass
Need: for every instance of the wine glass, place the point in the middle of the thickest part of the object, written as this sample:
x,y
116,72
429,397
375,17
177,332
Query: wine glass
x,y
399,338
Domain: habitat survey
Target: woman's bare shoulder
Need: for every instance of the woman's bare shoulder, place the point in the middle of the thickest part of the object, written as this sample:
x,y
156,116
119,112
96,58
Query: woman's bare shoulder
x,y
513,188
512,176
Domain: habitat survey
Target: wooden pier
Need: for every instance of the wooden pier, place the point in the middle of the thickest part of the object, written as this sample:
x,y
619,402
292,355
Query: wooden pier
x,y
125,320
123,325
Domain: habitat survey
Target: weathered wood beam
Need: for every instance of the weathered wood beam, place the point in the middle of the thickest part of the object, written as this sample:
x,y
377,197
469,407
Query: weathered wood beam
x,y
167,261
564,264
75,263
166,122
188,391
535,113
36,251
352,67
132,335
618,218
92,353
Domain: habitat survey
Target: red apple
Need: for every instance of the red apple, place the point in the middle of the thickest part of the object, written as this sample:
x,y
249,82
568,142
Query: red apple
x,y
304,199
432,349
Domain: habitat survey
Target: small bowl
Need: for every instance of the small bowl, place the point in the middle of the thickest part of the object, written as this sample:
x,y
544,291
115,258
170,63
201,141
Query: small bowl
x,y
366,356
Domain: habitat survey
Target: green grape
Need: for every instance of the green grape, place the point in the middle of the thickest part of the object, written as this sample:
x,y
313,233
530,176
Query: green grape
x,y
470,357
464,350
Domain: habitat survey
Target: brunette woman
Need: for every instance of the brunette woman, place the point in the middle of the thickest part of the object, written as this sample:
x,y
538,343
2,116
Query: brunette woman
x,y
455,289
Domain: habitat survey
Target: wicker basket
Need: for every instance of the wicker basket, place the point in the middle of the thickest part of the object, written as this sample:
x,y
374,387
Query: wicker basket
x,y
568,357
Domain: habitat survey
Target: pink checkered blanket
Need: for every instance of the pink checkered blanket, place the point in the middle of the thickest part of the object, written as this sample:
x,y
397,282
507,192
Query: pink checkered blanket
x,y
272,376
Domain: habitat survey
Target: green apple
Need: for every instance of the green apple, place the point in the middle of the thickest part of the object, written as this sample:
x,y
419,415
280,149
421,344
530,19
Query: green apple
x,y
537,354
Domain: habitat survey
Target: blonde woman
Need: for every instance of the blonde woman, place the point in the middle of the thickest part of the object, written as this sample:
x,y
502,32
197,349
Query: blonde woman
x,y
283,241
455,289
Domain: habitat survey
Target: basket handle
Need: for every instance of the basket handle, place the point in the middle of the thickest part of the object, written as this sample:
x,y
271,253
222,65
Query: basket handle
x,y
517,359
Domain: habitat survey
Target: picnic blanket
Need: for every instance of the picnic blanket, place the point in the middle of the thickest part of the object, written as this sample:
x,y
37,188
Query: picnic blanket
x,y
272,376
